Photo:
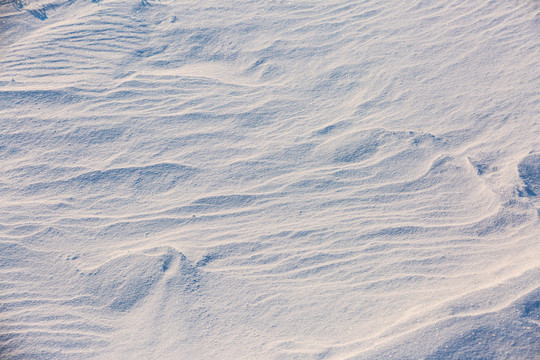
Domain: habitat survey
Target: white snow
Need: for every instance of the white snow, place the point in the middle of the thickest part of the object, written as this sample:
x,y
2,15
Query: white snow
x,y
269,179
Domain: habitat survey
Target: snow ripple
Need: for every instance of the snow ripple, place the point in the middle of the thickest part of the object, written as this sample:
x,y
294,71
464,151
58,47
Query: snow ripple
x,y
269,180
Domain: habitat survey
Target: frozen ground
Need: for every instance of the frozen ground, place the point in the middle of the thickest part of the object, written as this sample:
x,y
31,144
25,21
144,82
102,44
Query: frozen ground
x,y
270,179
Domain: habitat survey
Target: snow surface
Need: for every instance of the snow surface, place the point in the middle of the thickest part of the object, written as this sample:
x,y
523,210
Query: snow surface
x,y
270,179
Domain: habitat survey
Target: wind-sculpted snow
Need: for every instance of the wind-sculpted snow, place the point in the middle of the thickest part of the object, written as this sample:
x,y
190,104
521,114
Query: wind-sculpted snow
x,y
269,180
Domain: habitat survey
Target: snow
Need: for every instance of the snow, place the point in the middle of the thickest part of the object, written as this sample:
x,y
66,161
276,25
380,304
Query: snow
x,y
269,179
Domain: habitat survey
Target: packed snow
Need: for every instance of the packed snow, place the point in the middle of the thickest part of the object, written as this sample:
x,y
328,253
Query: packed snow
x,y
269,179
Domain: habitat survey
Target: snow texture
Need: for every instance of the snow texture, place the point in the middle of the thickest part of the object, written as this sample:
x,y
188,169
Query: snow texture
x,y
269,179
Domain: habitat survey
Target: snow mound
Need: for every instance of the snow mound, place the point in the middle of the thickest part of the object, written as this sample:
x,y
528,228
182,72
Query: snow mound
x,y
122,282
